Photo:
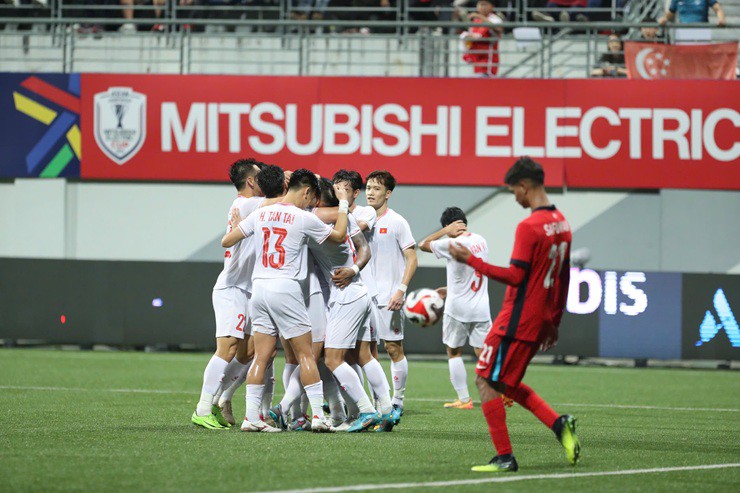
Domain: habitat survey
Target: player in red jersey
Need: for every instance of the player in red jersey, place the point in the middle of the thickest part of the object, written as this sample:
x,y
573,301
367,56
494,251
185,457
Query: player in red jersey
x,y
537,279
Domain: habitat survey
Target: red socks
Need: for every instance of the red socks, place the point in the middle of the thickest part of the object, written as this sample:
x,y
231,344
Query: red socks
x,y
529,400
496,418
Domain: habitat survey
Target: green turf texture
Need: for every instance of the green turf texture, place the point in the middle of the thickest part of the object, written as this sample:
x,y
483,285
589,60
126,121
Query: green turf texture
x,y
88,437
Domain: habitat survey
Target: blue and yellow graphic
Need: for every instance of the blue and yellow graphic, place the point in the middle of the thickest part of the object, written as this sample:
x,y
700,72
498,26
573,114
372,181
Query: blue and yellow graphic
x,y
40,134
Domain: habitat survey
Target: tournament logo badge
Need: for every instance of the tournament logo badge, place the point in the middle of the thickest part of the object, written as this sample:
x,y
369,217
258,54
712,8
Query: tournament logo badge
x,y
120,122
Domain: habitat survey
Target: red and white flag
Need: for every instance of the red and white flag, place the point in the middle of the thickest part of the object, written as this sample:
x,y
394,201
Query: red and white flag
x,y
696,61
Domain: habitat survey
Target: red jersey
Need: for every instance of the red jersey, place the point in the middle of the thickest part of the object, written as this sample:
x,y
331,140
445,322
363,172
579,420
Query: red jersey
x,y
538,277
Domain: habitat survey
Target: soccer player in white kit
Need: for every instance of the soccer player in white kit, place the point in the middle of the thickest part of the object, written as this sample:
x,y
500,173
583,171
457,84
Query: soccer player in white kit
x,y
271,182
467,315
282,232
230,302
394,264
363,357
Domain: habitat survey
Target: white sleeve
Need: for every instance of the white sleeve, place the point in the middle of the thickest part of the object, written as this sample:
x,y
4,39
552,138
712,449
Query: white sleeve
x,y
250,205
352,226
441,248
403,236
315,229
367,215
247,225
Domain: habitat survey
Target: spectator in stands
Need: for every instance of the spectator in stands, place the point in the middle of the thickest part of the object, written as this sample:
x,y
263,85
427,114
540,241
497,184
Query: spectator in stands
x,y
315,9
611,63
481,41
652,34
563,10
690,11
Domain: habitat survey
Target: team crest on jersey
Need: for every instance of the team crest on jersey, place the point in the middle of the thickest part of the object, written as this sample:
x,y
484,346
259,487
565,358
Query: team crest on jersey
x,y
120,122
383,231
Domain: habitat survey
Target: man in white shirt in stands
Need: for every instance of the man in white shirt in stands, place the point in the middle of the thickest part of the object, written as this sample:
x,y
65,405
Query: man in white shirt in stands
x,y
278,308
467,316
393,264
230,303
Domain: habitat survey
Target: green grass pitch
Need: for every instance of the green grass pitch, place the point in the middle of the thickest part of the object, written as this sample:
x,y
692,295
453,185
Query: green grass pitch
x,y
99,421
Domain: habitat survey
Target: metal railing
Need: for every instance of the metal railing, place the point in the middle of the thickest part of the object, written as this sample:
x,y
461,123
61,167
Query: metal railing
x,y
282,47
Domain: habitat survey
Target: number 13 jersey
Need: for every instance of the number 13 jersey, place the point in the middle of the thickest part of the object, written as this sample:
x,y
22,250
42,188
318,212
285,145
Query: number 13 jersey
x,y
281,234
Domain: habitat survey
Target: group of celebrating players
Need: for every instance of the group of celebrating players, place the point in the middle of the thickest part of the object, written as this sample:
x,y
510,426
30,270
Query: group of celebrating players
x,y
306,263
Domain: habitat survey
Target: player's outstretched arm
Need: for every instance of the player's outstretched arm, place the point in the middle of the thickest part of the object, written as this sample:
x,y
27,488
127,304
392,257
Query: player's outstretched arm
x,y
512,275
451,229
239,230
342,277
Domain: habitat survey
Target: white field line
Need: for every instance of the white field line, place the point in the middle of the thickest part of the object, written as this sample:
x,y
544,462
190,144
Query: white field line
x,y
412,399
502,479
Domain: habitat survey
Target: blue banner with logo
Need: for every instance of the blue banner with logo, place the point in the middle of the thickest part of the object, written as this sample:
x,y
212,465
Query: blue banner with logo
x,y
40,128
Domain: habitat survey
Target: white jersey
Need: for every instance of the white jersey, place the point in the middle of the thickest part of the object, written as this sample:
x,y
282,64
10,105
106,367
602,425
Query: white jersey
x,y
330,257
368,215
391,236
467,290
281,234
239,259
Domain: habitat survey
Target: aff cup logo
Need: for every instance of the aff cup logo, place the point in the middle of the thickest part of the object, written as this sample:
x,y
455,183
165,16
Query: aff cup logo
x,y
120,122
120,111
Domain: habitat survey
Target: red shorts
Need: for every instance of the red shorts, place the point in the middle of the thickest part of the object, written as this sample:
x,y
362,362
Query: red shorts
x,y
505,360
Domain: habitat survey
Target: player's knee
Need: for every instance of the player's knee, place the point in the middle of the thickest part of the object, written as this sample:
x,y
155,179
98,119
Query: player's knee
x,y
454,352
394,349
332,360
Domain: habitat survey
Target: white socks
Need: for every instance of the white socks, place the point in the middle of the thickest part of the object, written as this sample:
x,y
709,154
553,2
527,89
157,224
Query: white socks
x,y
352,385
331,393
269,389
378,385
254,398
358,370
234,377
315,393
293,390
459,378
400,372
287,372
212,377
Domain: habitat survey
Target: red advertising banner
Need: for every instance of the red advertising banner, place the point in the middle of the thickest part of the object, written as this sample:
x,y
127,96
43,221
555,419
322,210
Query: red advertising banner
x,y
597,134
654,61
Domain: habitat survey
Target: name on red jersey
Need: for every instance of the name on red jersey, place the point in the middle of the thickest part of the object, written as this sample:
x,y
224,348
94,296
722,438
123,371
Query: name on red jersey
x,y
556,228
278,216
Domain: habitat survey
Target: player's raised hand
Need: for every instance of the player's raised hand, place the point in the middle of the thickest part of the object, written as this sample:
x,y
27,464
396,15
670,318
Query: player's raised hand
x,y
459,252
342,277
396,301
342,191
456,228
235,219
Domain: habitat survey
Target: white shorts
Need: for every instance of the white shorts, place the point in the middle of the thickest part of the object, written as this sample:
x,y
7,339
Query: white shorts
x,y
388,324
278,308
456,333
369,333
347,322
316,308
231,306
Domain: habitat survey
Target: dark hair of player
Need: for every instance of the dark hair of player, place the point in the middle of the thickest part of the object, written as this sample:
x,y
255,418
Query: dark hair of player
x,y
452,214
328,198
243,169
271,179
383,177
304,178
352,177
525,168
